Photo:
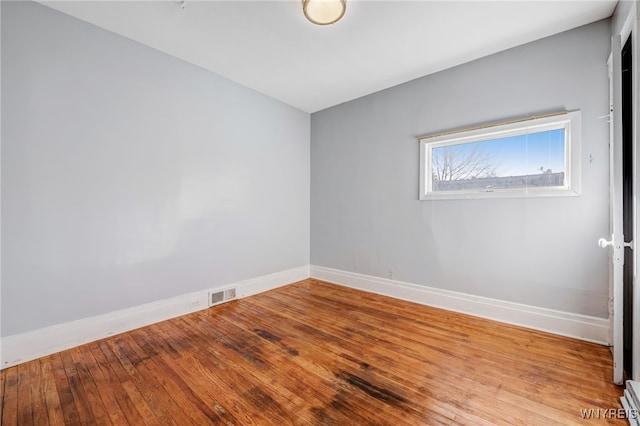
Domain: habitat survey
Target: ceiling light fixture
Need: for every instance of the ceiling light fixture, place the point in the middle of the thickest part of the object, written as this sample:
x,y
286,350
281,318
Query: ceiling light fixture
x,y
324,12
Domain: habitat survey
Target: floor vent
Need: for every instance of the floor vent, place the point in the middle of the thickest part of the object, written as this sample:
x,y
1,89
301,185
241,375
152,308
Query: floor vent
x,y
216,297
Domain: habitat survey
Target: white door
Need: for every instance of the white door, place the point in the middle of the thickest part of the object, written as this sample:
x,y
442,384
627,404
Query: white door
x,y
616,243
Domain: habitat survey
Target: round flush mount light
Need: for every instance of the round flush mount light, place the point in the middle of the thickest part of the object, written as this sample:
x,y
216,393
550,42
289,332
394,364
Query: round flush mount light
x,y
324,12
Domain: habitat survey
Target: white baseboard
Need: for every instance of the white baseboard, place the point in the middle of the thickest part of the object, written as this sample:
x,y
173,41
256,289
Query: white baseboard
x,y
25,347
582,327
34,344
269,282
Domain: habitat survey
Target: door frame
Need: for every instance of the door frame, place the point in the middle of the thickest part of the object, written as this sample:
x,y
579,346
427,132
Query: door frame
x,y
635,28
631,27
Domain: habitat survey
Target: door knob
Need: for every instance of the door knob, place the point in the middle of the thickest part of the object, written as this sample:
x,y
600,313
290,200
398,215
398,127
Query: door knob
x,y
603,243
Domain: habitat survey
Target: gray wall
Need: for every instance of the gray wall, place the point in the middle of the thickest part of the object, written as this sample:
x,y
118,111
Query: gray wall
x,y
365,213
129,176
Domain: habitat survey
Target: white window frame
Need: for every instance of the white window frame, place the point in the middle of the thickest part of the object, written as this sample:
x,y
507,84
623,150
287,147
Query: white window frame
x,y
569,121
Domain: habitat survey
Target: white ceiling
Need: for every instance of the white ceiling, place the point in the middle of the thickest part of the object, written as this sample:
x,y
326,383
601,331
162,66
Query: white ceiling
x,y
269,46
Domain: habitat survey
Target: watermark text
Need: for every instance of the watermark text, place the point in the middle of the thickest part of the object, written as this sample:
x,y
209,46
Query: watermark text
x,y
608,413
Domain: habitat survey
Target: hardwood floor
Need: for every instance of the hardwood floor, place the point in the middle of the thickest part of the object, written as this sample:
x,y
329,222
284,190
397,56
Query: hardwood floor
x,y
316,353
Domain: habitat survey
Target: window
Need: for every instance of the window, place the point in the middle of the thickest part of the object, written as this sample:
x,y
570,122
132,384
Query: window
x,y
533,157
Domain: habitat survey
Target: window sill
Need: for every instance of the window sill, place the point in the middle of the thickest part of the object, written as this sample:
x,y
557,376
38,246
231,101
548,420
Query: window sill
x,y
547,192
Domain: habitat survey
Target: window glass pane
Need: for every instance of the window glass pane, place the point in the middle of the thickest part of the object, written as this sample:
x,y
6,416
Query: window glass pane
x,y
529,160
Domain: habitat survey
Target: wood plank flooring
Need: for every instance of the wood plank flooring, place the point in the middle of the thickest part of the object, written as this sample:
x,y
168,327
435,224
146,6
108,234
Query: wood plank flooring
x,y
314,353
